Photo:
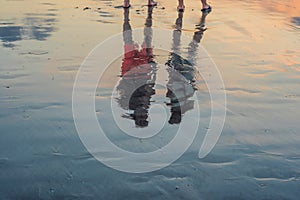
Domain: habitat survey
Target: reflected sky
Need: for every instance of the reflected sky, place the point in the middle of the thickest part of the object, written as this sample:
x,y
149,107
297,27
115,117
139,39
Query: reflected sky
x,y
255,44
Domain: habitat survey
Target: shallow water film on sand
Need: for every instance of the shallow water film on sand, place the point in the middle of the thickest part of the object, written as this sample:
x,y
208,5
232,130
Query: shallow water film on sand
x,y
101,102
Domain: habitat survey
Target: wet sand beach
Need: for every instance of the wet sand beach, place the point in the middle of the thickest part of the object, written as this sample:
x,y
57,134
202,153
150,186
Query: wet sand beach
x,y
255,46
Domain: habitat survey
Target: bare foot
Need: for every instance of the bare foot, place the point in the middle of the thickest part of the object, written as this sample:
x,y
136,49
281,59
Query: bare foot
x,y
206,8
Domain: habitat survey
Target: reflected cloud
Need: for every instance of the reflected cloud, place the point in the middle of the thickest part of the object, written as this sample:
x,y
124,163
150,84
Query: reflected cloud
x,y
11,33
38,28
34,27
296,21
289,7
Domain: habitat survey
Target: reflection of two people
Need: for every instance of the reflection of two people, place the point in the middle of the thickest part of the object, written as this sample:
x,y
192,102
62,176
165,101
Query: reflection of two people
x,y
139,73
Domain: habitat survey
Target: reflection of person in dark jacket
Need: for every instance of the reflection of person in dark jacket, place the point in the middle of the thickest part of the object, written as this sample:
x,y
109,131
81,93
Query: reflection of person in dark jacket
x,y
138,73
181,84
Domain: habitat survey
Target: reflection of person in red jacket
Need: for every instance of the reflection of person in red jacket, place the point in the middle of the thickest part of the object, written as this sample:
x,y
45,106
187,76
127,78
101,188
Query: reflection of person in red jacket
x,y
136,62
138,73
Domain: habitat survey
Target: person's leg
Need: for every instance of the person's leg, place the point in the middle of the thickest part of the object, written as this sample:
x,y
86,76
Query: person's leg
x,y
180,7
126,4
205,6
201,24
152,3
